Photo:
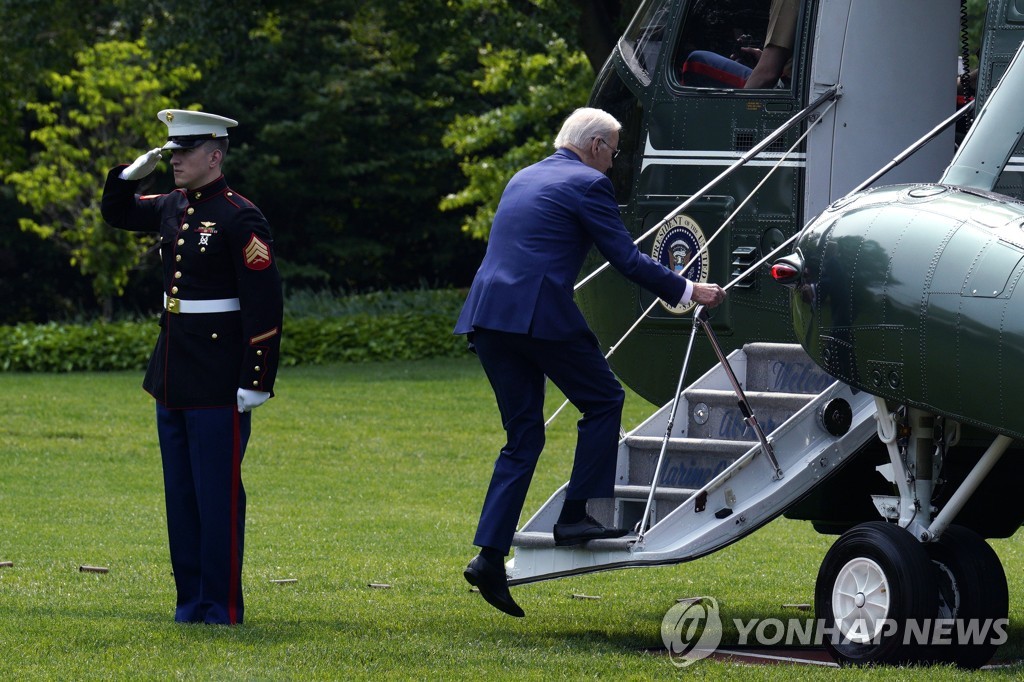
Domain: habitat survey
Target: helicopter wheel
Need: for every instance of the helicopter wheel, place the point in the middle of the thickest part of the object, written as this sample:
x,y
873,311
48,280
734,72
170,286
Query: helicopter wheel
x,y
874,579
973,595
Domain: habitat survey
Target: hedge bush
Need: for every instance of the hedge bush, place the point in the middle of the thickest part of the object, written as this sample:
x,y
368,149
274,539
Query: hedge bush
x,y
323,332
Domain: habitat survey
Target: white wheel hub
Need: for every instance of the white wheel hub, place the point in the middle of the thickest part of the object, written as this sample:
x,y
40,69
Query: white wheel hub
x,y
860,600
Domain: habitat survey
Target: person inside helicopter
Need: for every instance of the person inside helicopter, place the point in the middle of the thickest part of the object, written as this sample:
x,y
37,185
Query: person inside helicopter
x,y
749,66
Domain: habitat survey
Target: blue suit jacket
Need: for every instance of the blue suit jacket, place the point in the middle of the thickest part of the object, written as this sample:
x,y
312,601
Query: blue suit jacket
x,y
549,216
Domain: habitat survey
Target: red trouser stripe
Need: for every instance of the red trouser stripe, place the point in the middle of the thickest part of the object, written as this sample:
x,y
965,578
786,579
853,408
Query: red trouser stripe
x,y
236,477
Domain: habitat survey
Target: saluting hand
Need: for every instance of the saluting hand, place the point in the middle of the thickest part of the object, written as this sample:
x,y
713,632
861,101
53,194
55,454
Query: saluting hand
x,y
708,294
142,166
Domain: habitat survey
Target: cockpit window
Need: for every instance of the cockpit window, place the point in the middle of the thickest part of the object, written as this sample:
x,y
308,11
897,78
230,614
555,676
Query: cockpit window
x,y
641,44
737,44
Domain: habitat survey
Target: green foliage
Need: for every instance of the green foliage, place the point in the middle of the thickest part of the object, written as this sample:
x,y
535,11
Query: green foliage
x,y
533,92
342,107
360,338
92,118
321,304
339,144
976,11
319,329
38,37
100,346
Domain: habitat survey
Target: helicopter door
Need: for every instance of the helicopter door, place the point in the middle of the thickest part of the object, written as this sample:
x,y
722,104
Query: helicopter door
x,y
702,119
897,65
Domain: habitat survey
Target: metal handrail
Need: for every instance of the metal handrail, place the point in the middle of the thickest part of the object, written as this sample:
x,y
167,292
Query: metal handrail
x,y
830,94
704,248
765,444
700,318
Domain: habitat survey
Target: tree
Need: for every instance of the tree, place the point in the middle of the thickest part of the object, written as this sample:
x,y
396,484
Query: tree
x,y
339,144
37,37
538,91
95,116
533,77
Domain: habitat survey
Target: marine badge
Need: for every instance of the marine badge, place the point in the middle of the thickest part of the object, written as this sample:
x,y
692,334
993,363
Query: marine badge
x,y
256,254
679,241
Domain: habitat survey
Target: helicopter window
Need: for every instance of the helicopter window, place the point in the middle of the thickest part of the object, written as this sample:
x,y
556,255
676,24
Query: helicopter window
x,y
737,44
615,97
640,45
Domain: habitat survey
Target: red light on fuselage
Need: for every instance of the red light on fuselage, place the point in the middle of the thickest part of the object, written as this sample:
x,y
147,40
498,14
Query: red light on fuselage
x,y
784,273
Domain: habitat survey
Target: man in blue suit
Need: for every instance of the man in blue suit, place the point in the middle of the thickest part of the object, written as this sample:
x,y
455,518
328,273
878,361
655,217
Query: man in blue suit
x,y
523,323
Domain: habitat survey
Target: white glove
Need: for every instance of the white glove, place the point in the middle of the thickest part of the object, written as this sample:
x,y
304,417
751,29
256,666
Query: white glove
x,y
247,399
142,166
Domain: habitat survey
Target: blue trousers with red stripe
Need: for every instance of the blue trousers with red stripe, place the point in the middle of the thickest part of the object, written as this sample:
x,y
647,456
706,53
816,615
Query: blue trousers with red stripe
x,y
202,454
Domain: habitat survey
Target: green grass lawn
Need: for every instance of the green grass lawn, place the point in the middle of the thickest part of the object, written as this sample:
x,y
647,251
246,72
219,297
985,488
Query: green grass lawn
x,y
355,474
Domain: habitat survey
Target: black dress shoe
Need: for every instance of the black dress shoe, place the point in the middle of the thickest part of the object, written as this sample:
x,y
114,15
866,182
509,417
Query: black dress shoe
x,y
583,531
493,585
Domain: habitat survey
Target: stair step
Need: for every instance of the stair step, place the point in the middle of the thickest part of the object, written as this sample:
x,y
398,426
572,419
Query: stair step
x,y
716,413
537,540
783,367
689,462
772,399
641,492
710,446
779,380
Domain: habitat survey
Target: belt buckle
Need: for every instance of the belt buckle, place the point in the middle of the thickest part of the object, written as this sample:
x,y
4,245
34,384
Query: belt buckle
x,y
173,305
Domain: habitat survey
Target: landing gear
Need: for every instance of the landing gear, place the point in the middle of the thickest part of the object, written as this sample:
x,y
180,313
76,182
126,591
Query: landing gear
x,y
973,594
873,580
883,597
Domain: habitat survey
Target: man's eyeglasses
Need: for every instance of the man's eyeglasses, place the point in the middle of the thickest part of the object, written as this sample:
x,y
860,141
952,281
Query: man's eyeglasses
x,y
615,152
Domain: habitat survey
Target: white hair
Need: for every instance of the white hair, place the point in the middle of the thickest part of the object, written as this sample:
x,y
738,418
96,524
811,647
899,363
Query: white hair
x,y
585,124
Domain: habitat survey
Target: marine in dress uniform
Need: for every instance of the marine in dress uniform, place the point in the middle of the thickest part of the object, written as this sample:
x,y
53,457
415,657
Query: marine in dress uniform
x,y
216,355
522,320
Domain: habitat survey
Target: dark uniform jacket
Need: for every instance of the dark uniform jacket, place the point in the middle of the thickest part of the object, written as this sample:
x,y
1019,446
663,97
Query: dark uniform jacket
x,y
214,244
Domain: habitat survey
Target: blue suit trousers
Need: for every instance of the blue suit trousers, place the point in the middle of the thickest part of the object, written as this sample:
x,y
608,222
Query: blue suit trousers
x,y
516,365
202,454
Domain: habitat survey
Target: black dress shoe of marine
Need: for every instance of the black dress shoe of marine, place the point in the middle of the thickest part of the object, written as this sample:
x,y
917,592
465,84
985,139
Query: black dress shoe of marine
x,y
583,531
493,585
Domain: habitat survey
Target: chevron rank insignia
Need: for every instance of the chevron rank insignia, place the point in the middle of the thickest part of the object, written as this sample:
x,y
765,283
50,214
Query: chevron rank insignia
x,y
256,254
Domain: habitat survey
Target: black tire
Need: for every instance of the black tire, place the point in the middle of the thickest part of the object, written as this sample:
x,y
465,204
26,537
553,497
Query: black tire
x,y
973,593
874,579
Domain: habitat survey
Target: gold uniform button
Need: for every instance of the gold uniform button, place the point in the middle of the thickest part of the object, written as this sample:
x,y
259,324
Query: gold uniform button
x,y
177,275
174,290
185,226
257,368
259,352
202,250
178,258
190,210
180,242
198,194
213,336
255,383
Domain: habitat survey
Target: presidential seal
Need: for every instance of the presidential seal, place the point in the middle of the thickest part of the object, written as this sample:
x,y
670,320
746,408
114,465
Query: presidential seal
x,y
679,241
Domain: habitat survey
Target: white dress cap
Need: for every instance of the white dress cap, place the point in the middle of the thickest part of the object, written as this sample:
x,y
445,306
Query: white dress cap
x,y
187,129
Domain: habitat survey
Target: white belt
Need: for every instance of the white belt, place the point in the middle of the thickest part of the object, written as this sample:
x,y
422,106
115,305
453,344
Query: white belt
x,y
216,305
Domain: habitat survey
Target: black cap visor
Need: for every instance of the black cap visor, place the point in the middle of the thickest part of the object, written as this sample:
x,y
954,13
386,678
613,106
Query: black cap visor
x,y
187,141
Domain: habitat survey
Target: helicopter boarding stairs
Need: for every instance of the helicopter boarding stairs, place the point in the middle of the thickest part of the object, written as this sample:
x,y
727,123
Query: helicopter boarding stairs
x,y
717,481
